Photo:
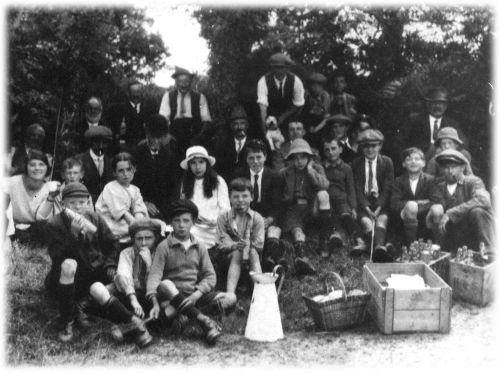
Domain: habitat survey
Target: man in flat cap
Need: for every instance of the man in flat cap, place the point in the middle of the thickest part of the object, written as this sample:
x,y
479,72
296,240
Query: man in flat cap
x,y
82,250
186,110
373,179
280,93
422,129
461,213
96,163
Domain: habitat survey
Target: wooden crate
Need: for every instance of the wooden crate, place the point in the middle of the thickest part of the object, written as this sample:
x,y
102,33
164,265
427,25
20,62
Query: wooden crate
x,y
473,284
425,310
441,266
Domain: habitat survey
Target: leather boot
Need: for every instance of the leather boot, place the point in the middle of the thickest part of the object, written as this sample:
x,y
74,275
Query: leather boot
x,y
211,329
140,332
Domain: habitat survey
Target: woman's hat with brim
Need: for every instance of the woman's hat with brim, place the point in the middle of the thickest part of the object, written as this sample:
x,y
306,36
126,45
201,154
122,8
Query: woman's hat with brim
x,y
196,152
181,71
143,224
448,133
299,146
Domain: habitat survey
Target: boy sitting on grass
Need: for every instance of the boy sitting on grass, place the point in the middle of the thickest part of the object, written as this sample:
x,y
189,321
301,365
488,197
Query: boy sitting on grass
x,y
129,285
83,251
182,277
241,234
410,199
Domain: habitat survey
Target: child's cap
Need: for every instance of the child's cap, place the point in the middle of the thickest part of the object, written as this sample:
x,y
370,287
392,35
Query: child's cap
x,y
370,136
142,224
75,189
183,206
299,146
98,132
448,133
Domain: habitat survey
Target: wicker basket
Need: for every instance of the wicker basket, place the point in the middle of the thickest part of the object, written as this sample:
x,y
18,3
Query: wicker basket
x,y
337,313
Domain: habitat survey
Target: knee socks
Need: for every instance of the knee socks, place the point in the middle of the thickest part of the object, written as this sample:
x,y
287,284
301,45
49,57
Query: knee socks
x,y
116,311
67,304
190,311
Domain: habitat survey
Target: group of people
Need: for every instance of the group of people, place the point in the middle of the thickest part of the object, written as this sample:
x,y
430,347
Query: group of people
x,y
150,211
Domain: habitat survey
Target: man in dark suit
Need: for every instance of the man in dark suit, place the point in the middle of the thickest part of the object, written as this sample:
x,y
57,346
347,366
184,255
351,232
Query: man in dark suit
x,y
266,197
229,152
373,178
421,129
93,117
97,166
127,119
158,170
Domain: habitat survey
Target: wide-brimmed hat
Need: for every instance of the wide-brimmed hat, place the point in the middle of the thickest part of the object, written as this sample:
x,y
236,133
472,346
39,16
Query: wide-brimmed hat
x,y
196,152
142,224
437,94
181,71
448,133
75,189
299,146
370,136
317,78
451,155
279,59
98,132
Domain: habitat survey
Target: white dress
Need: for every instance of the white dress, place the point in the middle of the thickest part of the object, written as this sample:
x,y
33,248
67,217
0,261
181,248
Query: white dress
x,y
209,210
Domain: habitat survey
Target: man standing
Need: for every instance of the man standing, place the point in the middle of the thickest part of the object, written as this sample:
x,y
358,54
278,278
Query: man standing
x,y
186,110
93,118
280,93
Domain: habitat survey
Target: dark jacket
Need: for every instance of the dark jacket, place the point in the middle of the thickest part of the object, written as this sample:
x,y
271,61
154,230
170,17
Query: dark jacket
x,y
95,183
470,193
401,192
226,158
158,179
270,188
385,179
313,183
341,183
100,251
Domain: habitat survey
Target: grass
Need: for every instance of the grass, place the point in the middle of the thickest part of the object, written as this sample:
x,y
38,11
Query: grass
x,y
32,329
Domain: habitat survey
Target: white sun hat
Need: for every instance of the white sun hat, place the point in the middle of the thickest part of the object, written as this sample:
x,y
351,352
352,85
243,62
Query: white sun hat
x,y
196,152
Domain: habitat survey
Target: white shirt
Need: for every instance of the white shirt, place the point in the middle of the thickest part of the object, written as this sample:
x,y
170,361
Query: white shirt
x,y
298,91
242,144
187,244
413,185
165,107
96,159
93,124
452,188
367,173
259,182
432,120
136,108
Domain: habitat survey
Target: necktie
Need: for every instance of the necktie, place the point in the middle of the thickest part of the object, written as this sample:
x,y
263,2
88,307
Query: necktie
x,y
281,89
370,177
100,165
183,105
256,188
238,149
435,130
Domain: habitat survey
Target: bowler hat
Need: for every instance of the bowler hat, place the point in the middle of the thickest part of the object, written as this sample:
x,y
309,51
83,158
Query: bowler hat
x,y
98,132
370,136
299,146
142,224
439,94
182,206
238,113
196,152
448,133
75,189
181,71
317,78
451,155
279,59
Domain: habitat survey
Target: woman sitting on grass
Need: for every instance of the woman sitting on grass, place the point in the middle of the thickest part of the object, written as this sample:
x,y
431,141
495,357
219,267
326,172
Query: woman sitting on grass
x,y
26,193
120,202
207,190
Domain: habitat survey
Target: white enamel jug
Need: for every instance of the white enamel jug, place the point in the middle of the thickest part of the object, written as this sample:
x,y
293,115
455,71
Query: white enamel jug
x,y
264,318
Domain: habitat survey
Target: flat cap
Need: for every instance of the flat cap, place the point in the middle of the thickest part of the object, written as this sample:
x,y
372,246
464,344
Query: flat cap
x,y
280,59
299,146
370,136
317,78
142,224
98,132
75,189
451,155
437,94
339,118
182,206
181,71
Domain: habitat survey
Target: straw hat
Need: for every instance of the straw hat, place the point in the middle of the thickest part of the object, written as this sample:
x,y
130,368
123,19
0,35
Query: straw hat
x,y
196,152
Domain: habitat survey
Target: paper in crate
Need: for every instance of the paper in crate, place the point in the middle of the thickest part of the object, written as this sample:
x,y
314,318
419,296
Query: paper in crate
x,y
398,310
473,283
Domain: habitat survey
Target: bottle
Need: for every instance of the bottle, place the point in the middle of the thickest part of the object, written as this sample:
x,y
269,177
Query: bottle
x,y
458,257
470,258
404,255
86,224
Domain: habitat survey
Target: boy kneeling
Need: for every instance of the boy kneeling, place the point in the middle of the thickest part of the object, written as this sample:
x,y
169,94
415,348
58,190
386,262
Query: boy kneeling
x,y
461,212
129,285
182,277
